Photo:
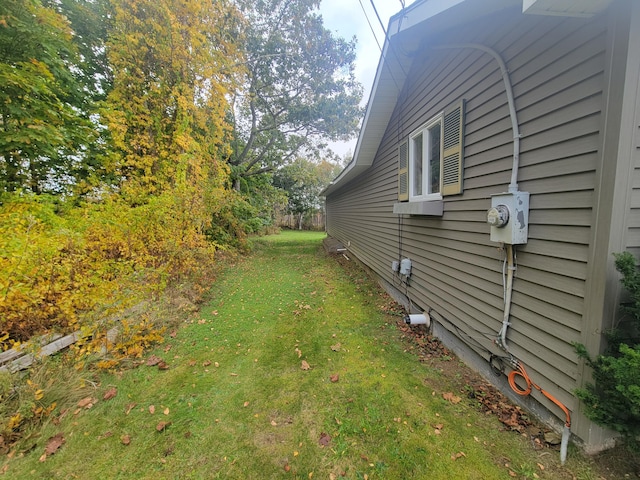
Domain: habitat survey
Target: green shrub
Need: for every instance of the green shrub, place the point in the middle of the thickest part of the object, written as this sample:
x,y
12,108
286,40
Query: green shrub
x,y
613,400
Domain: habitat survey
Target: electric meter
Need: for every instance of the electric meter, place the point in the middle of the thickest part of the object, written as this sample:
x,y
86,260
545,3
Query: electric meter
x,y
498,216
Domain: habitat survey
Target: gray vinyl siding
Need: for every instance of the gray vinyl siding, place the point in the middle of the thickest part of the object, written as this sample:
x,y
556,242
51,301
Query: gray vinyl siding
x,y
557,70
633,234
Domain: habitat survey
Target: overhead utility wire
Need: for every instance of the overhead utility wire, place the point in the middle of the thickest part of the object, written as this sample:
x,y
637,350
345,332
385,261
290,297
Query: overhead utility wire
x,y
370,26
379,19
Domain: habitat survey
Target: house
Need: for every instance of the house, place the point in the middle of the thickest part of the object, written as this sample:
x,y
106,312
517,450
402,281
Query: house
x,y
497,170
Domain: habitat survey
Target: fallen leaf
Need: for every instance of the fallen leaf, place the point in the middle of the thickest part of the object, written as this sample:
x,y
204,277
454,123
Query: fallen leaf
x,y
125,439
324,439
451,397
163,366
153,360
43,457
109,394
87,402
287,467
334,378
192,363
105,435
336,347
246,404
162,425
130,407
512,473
166,411
305,365
274,423
206,363
233,374
299,352
458,455
53,444
173,334
152,409
167,348
216,364
201,321
541,466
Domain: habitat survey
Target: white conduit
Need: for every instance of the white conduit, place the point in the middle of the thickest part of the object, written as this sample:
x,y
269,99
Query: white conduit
x,y
513,187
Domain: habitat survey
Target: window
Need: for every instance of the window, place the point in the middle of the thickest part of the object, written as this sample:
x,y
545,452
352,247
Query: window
x,y
425,157
430,161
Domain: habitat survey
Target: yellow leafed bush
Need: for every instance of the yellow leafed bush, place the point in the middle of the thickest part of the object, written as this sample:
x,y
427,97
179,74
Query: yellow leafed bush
x,y
58,267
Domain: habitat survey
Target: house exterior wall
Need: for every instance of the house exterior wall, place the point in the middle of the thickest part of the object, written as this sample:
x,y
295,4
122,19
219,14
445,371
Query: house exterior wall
x,y
558,68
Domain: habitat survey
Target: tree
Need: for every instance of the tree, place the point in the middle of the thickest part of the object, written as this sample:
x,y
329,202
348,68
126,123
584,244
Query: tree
x,y
303,180
299,89
173,64
42,123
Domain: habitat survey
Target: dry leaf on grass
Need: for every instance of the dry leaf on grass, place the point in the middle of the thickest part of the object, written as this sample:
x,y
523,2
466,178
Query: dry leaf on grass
x,y
299,352
336,347
334,378
152,409
125,439
152,361
163,366
130,406
166,411
109,394
305,365
162,426
458,455
324,439
54,443
87,402
206,363
451,397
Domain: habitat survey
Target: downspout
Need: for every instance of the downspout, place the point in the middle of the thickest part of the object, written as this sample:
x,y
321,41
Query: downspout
x,y
513,185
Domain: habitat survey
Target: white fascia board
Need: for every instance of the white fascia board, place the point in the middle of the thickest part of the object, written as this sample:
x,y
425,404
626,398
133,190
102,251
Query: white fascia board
x,y
565,8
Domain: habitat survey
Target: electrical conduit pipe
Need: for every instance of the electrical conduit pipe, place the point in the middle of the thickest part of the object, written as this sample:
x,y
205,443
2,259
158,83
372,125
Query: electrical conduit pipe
x,y
513,187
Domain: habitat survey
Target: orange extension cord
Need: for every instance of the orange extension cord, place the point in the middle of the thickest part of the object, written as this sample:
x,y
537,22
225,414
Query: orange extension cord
x,y
521,372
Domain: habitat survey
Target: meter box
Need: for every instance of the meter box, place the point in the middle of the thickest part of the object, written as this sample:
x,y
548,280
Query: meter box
x,y
509,217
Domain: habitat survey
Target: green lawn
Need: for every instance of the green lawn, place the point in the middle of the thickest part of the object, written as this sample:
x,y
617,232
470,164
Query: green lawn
x,y
249,393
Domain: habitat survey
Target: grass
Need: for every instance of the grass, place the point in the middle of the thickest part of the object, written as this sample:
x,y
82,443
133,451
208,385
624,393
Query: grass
x,y
242,403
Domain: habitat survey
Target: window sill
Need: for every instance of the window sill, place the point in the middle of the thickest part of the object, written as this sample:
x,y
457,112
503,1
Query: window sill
x,y
425,207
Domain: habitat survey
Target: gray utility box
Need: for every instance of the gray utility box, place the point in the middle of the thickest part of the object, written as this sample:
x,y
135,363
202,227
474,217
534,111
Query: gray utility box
x,y
509,217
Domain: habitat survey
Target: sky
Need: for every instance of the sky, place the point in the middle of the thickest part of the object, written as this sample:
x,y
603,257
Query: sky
x,y
346,18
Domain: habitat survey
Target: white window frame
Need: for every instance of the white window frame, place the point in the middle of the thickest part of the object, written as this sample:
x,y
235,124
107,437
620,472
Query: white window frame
x,y
426,195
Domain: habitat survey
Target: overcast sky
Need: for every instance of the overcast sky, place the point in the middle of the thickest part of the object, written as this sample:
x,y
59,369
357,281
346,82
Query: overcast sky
x,y
346,18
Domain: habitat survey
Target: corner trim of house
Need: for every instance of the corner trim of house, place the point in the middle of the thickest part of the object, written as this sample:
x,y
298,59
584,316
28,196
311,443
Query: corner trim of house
x,y
427,207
